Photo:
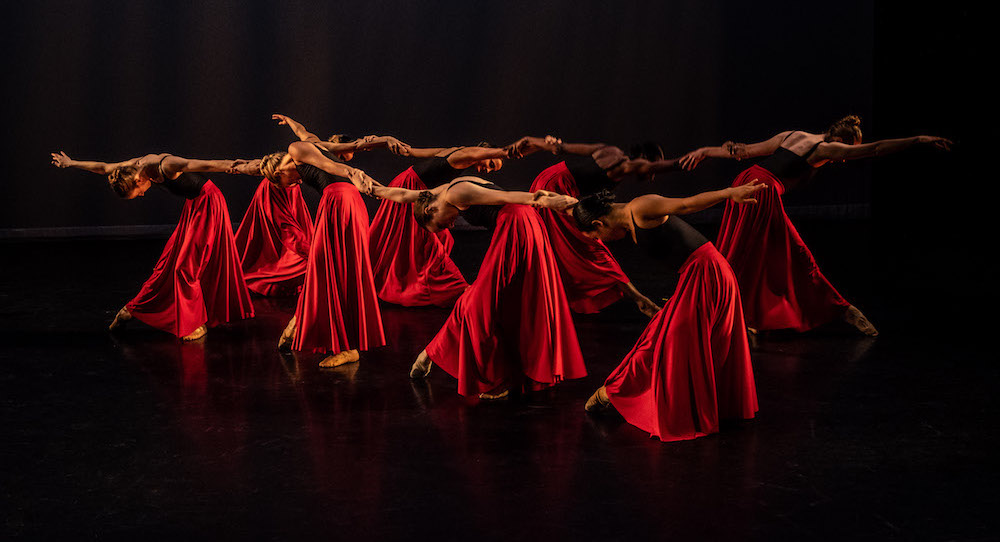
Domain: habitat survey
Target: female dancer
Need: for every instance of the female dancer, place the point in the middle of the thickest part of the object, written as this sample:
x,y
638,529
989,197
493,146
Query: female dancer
x,y
273,238
197,282
691,365
590,274
412,266
512,327
782,285
338,310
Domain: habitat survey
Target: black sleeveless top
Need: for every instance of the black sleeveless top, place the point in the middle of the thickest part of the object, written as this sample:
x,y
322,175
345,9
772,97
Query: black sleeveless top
x,y
186,185
436,170
670,243
482,215
790,168
590,178
317,178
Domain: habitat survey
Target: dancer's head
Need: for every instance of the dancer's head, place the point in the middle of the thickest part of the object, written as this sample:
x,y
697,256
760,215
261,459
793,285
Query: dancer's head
x,y
129,182
846,130
279,168
433,213
343,138
647,150
592,213
488,165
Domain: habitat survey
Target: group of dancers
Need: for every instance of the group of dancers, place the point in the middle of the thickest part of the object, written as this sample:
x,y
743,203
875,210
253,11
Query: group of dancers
x,y
511,329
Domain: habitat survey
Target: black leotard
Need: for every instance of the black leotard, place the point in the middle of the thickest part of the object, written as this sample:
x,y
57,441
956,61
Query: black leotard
x,y
590,178
671,242
186,185
319,178
436,170
482,215
790,168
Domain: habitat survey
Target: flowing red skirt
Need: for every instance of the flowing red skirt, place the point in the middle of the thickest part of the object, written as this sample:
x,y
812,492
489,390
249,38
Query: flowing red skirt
x,y
590,274
273,240
691,366
197,279
338,307
782,286
513,322
411,265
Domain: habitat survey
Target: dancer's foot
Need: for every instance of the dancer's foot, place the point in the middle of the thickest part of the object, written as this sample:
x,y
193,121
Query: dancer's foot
x,y
421,368
494,396
598,401
854,317
287,336
196,334
123,316
343,358
752,337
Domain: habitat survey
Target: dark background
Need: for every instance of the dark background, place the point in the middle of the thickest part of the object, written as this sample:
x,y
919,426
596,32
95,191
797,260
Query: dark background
x,y
109,80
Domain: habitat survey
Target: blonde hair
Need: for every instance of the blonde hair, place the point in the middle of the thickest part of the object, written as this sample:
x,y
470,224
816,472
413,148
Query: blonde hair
x,y
123,179
269,165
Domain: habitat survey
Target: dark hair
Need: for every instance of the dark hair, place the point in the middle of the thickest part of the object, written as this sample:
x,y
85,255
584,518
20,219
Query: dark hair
x,y
484,144
848,129
591,208
648,150
123,180
420,213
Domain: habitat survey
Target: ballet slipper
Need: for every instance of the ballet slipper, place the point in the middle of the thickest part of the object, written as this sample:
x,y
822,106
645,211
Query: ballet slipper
x,y
121,318
599,401
421,368
287,337
854,317
753,337
494,396
196,334
343,358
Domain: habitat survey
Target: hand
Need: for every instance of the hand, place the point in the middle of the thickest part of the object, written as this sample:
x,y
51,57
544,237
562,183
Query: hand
x,y
552,200
742,193
61,160
691,160
245,167
647,307
938,142
282,119
397,147
362,181
554,142
517,149
370,139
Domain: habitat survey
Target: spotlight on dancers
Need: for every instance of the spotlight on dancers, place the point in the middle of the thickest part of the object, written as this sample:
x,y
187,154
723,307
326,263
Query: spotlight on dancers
x,y
197,282
511,330
691,365
782,285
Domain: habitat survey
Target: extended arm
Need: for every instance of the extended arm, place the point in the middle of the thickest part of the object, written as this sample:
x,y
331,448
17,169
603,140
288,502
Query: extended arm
x,y
839,151
463,195
738,151
391,193
641,166
652,207
178,164
61,160
297,128
307,153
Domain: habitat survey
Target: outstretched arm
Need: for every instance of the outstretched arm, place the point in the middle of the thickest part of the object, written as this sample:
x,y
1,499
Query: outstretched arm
x,y
392,193
307,153
641,166
839,151
297,128
178,164
738,151
467,194
652,207
61,160
363,144
466,156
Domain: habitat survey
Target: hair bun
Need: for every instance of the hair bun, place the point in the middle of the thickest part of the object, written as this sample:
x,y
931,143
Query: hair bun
x,y
850,120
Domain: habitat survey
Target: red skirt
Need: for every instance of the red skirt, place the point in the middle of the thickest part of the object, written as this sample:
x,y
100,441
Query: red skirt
x,y
197,279
691,366
338,307
273,240
513,323
782,286
590,274
411,265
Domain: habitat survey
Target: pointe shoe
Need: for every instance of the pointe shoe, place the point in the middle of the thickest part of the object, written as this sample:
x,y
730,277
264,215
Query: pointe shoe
x,y
598,401
343,358
121,317
196,334
421,368
494,396
287,337
858,320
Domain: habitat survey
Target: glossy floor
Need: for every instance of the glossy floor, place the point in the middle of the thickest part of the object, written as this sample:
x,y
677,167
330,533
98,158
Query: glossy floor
x,y
135,434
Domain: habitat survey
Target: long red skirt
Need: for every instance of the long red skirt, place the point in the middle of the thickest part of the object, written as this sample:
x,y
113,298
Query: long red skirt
x,y
338,307
197,279
590,274
513,322
411,265
691,366
782,286
273,240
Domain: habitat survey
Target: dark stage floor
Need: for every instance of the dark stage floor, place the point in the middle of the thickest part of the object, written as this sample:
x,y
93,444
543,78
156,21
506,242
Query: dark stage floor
x,y
134,434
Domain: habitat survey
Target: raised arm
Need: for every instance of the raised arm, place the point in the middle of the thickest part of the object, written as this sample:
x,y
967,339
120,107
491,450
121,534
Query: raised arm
x,y
61,160
651,207
307,153
297,128
838,151
738,151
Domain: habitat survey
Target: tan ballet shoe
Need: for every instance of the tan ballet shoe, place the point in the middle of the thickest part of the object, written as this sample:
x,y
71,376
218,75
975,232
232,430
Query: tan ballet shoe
x,y
196,334
854,317
421,368
598,401
121,317
287,337
494,396
343,358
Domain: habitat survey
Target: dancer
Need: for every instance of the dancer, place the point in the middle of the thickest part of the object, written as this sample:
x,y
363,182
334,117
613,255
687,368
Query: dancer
x,y
412,266
782,285
691,365
591,275
197,282
512,328
337,312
